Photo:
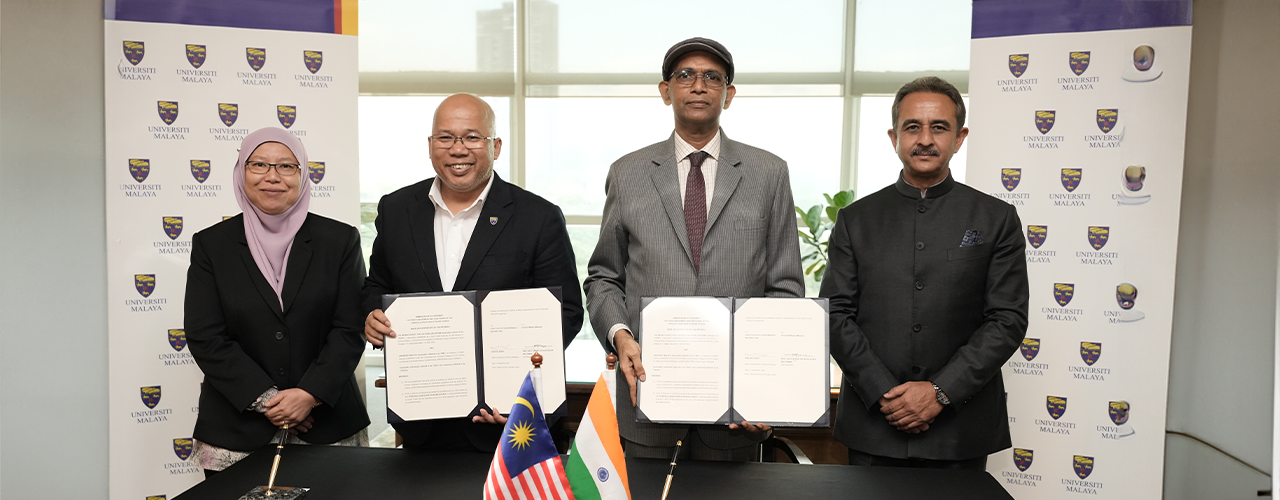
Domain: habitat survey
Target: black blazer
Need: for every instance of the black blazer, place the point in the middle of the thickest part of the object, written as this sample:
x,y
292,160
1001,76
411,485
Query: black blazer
x,y
245,344
909,303
526,246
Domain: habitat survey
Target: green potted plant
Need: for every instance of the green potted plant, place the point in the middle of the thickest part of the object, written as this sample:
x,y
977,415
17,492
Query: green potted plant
x,y
814,232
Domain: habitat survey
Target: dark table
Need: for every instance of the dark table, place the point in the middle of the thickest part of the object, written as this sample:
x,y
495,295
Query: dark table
x,y
335,473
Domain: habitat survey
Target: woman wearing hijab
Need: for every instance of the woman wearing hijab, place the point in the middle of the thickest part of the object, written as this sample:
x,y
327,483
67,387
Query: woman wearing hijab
x,y
273,314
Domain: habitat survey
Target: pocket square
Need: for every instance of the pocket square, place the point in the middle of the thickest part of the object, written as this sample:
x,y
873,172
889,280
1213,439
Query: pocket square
x,y
971,237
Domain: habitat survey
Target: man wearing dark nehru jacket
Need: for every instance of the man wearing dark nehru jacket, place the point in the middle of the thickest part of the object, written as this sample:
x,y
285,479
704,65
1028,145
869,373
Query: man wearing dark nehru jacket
x,y
466,229
928,288
695,215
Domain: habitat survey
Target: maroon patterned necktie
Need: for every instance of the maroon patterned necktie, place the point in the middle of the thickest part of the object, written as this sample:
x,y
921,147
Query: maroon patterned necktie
x,y
695,205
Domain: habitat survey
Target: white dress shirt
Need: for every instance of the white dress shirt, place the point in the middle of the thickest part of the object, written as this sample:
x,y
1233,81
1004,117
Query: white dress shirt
x,y
683,166
453,232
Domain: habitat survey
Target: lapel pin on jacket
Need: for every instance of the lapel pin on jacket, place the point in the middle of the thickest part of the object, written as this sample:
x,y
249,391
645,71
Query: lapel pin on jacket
x,y
493,221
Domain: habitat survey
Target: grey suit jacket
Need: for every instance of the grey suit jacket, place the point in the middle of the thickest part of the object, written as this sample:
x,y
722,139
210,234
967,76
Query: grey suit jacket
x,y
750,249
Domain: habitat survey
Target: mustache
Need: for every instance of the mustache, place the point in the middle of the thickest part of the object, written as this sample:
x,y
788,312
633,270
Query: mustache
x,y
925,151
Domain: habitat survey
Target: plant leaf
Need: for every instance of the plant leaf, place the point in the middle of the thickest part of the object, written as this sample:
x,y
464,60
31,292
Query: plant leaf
x,y
844,198
813,219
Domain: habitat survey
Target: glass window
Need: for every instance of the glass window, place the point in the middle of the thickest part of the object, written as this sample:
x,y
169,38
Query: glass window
x,y
437,35
885,40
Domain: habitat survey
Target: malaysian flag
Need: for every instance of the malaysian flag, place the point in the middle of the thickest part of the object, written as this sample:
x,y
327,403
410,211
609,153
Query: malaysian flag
x,y
526,465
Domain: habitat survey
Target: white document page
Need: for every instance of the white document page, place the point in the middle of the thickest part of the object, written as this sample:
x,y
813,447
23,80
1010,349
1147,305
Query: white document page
x,y
514,325
431,362
684,344
780,361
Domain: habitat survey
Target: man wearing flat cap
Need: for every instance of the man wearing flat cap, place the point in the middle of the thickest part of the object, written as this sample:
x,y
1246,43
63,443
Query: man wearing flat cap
x,y
695,215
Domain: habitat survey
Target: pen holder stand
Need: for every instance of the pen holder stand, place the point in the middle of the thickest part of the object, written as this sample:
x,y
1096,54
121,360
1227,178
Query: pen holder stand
x,y
277,493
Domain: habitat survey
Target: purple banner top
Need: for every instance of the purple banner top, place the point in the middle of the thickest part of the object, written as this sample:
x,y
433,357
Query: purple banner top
x,y
994,18
285,15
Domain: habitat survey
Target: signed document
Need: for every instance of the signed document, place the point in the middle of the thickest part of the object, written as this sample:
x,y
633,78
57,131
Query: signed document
x,y
431,362
716,360
514,325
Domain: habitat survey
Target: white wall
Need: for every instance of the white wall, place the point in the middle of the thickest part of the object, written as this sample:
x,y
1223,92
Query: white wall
x,y
53,334
1220,384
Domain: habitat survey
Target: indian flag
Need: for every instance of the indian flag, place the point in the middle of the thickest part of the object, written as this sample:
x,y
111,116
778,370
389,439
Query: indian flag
x,y
596,468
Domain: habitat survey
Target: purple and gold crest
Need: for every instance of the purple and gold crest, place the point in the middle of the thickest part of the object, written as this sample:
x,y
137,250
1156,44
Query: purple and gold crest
x,y
1018,64
1010,177
1090,352
1083,465
1126,295
182,448
1030,348
195,55
228,112
139,168
1057,406
313,59
151,395
1071,178
1107,119
1045,119
157,497
1098,236
287,115
145,284
1079,62
168,111
257,57
1022,458
317,171
1063,292
177,339
1036,235
1118,411
134,51
200,170
172,227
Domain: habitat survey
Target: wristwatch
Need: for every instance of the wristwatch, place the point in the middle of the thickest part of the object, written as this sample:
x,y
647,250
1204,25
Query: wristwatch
x,y
942,396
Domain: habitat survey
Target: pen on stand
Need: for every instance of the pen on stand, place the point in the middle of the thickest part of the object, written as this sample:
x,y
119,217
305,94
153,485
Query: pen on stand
x,y
672,472
284,432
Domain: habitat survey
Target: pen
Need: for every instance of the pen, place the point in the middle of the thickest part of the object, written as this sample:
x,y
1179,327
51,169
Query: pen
x,y
672,472
276,463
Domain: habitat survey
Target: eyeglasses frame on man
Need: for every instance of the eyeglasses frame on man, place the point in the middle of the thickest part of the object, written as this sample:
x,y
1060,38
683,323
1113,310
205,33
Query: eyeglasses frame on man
x,y
693,77
437,141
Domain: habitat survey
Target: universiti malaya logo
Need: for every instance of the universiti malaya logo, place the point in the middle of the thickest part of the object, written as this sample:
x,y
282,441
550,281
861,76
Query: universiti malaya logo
x,y
157,497
168,111
200,170
1030,348
313,59
257,57
145,284
150,395
228,112
1057,406
172,227
177,339
1018,64
1098,236
1036,235
134,51
1022,458
1010,177
1063,292
1083,465
287,115
139,168
196,55
1107,119
1071,178
1045,119
182,448
1079,62
1118,411
1090,352
316,169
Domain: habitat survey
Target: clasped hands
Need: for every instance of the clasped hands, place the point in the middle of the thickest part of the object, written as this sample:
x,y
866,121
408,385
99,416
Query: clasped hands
x,y
291,407
633,369
377,327
911,407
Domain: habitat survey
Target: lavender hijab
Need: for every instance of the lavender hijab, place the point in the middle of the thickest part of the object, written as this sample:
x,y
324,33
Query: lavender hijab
x,y
271,236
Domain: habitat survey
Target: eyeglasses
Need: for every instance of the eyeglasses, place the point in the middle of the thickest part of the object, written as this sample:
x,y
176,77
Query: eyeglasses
x,y
471,141
686,77
284,169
